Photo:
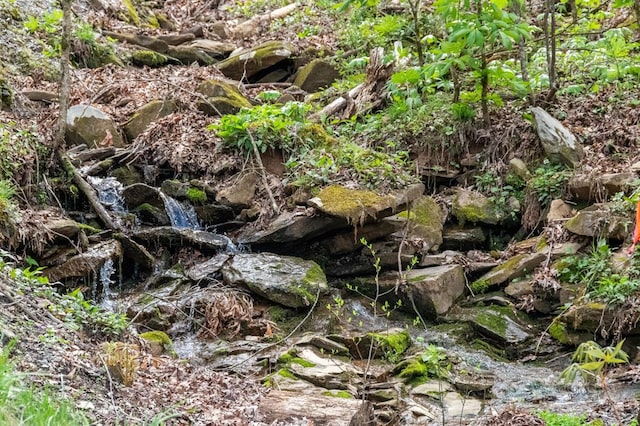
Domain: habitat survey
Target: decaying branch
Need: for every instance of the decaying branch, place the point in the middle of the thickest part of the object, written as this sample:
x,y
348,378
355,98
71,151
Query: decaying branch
x,y
251,26
364,97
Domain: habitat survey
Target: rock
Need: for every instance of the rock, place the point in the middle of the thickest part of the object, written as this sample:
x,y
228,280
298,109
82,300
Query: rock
x,y
189,55
248,64
473,207
559,210
61,226
213,48
87,264
176,39
459,407
618,182
458,238
136,252
559,144
316,75
587,187
151,43
290,281
90,126
599,220
519,168
218,29
359,206
241,193
499,323
323,343
361,262
290,227
329,373
207,270
178,237
433,386
446,257
425,224
349,240
281,406
581,322
223,97
389,344
127,175
519,289
158,342
515,267
147,203
213,214
146,115
149,58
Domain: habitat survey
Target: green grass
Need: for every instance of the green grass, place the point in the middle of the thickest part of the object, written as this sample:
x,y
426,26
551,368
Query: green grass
x,y
24,405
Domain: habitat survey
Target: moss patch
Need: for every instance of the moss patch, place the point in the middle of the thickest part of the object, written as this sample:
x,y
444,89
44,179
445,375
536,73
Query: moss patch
x,y
156,336
290,358
338,394
134,18
558,331
196,195
415,368
352,204
148,58
393,345
480,286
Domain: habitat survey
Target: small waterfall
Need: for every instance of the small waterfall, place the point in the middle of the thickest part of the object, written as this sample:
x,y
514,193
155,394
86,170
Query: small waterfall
x,y
106,271
232,248
181,215
109,192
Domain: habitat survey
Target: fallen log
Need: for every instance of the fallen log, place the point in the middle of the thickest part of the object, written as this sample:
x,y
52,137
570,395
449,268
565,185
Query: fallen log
x,y
248,27
87,190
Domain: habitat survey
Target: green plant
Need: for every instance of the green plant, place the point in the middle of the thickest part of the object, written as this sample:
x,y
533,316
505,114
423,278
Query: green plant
x,y
548,181
23,405
266,126
556,419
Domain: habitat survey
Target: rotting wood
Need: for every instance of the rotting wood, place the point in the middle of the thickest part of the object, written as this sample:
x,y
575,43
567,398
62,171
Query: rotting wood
x,y
364,97
87,190
246,28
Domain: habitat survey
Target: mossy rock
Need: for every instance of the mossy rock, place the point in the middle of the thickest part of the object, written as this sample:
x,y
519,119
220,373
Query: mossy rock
x,y
146,115
354,205
149,58
223,97
159,342
473,207
249,63
90,126
190,55
127,175
316,75
515,267
425,222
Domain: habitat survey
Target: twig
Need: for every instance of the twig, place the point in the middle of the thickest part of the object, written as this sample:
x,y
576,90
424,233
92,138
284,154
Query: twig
x,y
263,174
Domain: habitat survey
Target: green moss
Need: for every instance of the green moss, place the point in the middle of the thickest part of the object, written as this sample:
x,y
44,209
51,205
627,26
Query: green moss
x,y
196,195
494,321
494,352
352,204
133,13
148,58
290,358
415,368
480,286
88,228
393,345
316,135
338,394
156,336
287,374
558,331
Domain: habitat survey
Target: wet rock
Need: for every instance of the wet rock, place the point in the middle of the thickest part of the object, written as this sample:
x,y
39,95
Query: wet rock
x,y
222,97
459,407
92,127
289,227
558,143
329,373
209,269
458,238
316,75
136,252
559,210
359,206
178,237
213,214
599,220
81,155
86,264
446,257
498,323
473,207
515,267
322,343
289,281
280,406
248,64
146,115
61,226
361,262
127,175
147,203
519,289
349,240
241,193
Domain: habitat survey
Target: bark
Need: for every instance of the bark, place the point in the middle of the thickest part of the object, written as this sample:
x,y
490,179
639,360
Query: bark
x,y
58,141
251,26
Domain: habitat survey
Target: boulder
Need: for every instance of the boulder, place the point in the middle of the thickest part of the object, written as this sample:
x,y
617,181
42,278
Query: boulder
x,y
209,269
92,127
348,241
240,193
136,252
599,220
289,281
149,58
189,55
362,262
176,39
329,373
559,210
146,115
391,343
515,267
316,75
558,143
151,43
590,187
178,237
462,238
473,207
223,97
519,168
249,64
425,224
360,206
214,214
87,264
213,48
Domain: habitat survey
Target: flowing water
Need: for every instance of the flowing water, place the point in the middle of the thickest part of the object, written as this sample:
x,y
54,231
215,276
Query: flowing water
x,y
109,192
107,299
181,215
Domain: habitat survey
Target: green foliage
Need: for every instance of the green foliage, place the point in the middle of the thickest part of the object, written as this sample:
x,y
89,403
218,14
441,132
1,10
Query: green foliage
x,y
22,405
266,126
431,363
555,419
596,273
500,189
548,181
591,361
20,152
